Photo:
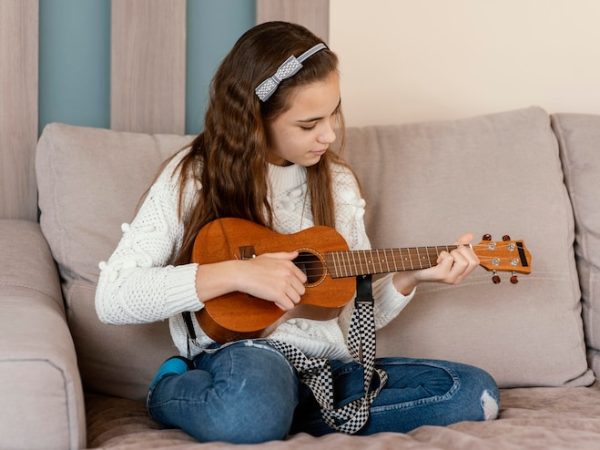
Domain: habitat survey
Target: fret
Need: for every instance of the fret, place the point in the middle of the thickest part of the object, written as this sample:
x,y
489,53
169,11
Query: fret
x,y
369,266
419,258
381,262
402,259
335,269
423,258
371,262
332,265
428,256
437,252
362,261
387,263
394,261
354,261
346,259
433,256
359,263
412,259
341,264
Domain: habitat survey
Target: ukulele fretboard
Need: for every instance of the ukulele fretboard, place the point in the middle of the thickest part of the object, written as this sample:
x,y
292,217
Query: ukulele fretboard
x,y
363,262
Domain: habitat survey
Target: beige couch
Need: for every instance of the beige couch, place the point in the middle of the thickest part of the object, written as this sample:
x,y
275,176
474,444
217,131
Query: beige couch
x,y
68,381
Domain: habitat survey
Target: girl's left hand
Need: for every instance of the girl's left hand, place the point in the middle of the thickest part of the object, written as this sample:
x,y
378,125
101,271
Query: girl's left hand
x,y
451,268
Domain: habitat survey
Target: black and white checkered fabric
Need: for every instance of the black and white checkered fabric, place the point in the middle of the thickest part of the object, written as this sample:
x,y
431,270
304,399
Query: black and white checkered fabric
x,y
316,372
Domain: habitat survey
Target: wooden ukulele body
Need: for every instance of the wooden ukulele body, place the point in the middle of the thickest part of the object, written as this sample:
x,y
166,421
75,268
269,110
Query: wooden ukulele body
x,y
238,315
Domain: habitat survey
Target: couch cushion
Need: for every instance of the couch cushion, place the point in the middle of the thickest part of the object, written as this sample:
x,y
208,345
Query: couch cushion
x,y
26,260
531,418
579,139
426,184
40,386
90,182
116,359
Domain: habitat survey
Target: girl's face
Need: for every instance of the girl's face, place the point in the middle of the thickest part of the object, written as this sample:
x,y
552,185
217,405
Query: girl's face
x,y
303,133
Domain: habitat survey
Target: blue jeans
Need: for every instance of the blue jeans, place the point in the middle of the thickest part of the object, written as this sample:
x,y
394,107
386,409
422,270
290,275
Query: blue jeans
x,y
248,393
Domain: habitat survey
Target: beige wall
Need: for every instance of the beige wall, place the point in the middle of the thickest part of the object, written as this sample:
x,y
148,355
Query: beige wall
x,y
413,60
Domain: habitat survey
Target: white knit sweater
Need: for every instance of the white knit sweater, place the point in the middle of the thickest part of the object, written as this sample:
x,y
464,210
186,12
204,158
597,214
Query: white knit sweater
x,y
138,285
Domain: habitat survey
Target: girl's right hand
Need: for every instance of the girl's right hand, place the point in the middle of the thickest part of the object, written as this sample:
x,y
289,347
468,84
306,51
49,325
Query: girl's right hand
x,y
271,276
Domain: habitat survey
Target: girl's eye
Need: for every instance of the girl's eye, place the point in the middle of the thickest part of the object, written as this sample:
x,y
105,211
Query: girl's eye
x,y
310,127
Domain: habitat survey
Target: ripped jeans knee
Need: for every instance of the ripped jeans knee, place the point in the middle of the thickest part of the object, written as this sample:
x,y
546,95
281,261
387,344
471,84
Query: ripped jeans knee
x,y
489,405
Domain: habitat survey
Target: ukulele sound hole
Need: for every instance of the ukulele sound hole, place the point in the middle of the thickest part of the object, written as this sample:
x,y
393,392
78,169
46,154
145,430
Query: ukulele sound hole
x,y
312,266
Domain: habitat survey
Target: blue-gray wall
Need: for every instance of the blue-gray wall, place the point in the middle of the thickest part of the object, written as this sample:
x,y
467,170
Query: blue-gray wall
x,y
74,71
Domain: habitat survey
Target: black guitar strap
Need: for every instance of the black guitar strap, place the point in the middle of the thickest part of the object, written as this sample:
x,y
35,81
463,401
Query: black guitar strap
x,y
316,372
187,318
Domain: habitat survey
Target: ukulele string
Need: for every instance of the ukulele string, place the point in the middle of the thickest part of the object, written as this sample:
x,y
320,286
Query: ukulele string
x,y
350,266
401,256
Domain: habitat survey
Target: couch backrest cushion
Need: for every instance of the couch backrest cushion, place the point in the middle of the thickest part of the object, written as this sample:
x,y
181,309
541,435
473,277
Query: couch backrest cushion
x,y
579,139
426,184
90,182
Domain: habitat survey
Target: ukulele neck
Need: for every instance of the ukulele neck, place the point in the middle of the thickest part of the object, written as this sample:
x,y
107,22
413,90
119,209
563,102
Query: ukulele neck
x,y
364,262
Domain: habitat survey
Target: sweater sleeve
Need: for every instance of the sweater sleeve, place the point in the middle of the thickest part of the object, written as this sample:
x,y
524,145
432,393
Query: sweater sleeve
x,y
136,284
350,210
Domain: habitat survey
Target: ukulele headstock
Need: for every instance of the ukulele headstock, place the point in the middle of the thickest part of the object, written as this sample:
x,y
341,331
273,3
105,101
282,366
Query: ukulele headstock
x,y
503,256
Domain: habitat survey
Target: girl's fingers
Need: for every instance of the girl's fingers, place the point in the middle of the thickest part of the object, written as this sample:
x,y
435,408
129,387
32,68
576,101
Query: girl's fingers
x,y
465,239
452,267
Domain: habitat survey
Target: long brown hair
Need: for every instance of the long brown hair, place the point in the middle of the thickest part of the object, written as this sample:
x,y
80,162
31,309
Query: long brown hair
x,y
230,156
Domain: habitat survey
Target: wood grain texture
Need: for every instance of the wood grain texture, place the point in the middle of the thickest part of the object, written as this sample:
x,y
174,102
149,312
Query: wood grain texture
x,y
18,107
313,14
148,65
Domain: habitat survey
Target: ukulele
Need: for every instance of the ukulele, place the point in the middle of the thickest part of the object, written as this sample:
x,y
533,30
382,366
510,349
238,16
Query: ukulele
x,y
330,268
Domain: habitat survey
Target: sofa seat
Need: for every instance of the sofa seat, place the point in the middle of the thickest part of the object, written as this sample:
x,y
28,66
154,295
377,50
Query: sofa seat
x,y
547,418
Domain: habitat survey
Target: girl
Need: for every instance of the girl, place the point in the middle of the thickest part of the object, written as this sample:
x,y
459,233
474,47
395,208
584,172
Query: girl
x,y
265,156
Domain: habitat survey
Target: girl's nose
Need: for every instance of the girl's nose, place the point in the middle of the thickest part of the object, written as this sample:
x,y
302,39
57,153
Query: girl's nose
x,y
327,136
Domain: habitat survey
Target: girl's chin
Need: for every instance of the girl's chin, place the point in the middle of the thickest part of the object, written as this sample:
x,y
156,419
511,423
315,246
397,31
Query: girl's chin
x,y
310,160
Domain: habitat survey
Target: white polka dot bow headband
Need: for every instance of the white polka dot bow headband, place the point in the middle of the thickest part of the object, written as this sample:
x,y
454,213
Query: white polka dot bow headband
x,y
288,69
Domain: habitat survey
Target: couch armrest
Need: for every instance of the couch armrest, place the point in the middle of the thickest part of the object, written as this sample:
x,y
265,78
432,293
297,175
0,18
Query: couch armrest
x,y
41,398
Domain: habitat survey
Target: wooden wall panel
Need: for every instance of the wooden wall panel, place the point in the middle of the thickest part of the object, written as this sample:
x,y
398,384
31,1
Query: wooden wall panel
x,y
18,107
313,14
148,65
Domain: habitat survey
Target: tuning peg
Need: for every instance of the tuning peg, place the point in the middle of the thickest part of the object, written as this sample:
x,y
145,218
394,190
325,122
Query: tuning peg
x,y
506,237
496,278
514,279
487,237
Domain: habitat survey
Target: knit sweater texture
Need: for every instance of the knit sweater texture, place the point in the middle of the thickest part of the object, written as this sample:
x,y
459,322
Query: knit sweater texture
x,y
138,284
